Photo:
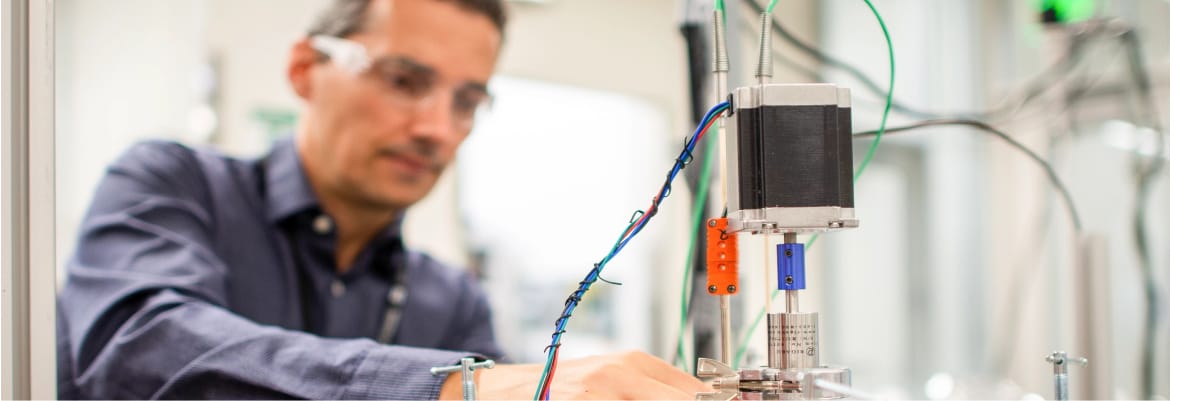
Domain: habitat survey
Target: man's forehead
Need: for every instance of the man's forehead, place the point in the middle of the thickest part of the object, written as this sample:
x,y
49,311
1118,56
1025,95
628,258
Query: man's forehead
x,y
454,42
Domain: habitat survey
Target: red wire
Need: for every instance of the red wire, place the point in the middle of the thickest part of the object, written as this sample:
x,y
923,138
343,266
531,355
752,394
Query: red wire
x,y
551,374
646,215
546,394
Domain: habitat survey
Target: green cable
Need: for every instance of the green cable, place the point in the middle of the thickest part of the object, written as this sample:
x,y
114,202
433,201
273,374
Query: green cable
x,y
756,323
771,5
870,153
696,222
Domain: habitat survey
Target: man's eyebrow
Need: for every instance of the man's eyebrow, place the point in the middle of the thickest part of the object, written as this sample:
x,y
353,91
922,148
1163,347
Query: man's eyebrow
x,y
417,68
408,64
474,86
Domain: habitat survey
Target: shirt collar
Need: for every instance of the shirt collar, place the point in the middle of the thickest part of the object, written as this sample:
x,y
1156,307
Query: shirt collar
x,y
288,191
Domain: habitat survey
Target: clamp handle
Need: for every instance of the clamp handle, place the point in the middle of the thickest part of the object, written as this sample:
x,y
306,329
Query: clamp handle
x,y
467,366
1060,360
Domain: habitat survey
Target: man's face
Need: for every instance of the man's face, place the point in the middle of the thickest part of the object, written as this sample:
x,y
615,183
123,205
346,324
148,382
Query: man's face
x,y
381,138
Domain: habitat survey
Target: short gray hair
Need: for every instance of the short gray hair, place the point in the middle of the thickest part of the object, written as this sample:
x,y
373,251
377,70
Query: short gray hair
x,y
344,18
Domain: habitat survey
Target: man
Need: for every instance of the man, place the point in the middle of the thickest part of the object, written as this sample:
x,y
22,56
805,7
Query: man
x,y
202,276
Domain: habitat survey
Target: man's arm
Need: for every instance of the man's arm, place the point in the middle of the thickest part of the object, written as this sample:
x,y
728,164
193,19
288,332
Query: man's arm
x,y
472,329
144,307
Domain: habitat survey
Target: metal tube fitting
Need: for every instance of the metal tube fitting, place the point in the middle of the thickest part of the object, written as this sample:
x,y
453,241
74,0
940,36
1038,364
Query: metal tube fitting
x,y
764,66
719,35
792,341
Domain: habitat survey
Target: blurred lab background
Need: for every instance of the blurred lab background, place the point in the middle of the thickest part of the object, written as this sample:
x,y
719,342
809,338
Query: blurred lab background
x,y
965,273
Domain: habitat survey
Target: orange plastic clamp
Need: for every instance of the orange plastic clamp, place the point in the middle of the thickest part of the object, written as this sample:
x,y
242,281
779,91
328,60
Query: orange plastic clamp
x,y
722,259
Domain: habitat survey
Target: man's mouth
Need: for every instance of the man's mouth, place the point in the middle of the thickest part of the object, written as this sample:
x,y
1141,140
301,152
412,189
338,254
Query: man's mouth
x,y
407,163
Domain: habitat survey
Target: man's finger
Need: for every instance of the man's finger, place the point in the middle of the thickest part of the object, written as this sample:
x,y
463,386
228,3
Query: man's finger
x,y
666,373
632,383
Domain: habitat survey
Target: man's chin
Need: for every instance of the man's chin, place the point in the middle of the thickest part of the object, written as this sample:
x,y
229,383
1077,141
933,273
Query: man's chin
x,y
398,192
398,199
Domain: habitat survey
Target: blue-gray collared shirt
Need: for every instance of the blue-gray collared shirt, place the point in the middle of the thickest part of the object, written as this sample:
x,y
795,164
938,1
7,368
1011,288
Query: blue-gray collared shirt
x,y
197,275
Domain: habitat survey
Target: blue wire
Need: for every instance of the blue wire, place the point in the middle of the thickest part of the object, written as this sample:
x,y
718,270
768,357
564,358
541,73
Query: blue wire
x,y
641,222
595,273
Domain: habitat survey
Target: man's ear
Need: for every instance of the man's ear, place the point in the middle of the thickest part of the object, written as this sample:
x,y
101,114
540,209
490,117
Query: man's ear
x,y
302,60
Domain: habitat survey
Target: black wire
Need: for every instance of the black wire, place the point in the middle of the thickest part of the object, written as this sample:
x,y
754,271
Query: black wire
x,y
1050,172
1145,180
1040,85
1144,183
697,38
809,74
1002,361
781,57
1052,76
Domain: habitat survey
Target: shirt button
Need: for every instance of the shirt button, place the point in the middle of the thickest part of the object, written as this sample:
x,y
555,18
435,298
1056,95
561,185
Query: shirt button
x,y
338,289
322,224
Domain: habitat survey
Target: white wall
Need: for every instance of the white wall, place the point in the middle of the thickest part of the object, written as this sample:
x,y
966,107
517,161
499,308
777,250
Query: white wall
x,y
249,41
116,85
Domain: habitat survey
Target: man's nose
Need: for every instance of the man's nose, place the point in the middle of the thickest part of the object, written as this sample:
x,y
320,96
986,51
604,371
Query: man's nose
x,y
433,120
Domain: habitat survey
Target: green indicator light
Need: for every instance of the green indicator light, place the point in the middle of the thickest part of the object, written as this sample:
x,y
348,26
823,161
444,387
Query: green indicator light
x,y
1067,11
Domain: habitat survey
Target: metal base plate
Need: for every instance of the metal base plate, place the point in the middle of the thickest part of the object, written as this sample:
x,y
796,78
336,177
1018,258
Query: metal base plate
x,y
767,383
792,219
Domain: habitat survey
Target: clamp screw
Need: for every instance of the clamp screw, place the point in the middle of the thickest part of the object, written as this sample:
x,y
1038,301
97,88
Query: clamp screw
x,y
467,366
712,289
731,288
711,223
1059,358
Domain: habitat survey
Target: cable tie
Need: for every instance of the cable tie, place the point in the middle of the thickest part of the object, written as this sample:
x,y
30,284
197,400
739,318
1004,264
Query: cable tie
x,y
608,281
665,194
636,215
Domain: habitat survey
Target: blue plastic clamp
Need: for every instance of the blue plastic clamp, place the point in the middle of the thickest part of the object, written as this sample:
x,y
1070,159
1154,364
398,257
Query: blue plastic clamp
x,y
790,266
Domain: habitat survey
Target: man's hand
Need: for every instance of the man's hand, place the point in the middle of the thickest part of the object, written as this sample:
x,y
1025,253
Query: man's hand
x,y
626,376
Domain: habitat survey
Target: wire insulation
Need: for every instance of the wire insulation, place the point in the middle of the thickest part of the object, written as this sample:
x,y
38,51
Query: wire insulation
x,y
697,212
638,221
985,127
1035,87
870,153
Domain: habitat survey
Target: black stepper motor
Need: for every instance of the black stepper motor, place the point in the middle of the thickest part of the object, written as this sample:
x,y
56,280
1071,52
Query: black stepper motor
x,y
793,146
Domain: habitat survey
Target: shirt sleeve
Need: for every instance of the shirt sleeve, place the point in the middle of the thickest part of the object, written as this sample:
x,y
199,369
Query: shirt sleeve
x,y
475,331
143,312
